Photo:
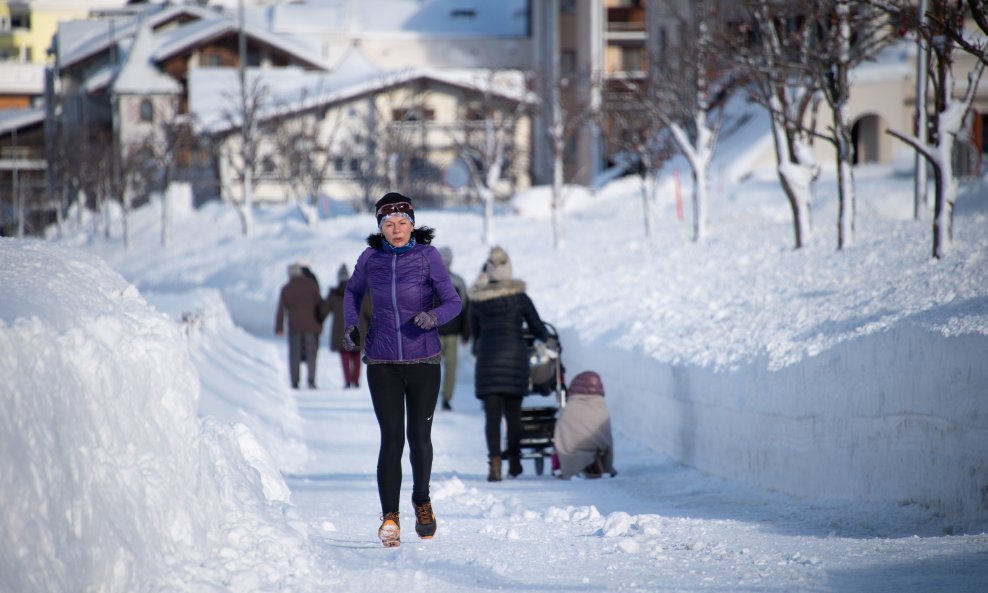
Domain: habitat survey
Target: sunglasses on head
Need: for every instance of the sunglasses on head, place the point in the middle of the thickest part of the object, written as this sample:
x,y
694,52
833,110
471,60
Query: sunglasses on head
x,y
393,208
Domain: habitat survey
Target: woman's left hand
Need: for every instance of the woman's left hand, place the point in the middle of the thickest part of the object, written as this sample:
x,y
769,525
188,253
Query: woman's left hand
x,y
425,320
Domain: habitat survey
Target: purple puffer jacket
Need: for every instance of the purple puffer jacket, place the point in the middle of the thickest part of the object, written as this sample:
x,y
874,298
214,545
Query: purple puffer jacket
x,y
401,286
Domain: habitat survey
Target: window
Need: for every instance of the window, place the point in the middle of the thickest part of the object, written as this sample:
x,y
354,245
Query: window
x,y
146,111
475,112
20,21
631,59
413,114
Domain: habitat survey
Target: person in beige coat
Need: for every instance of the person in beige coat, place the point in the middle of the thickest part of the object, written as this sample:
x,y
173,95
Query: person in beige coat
x,y
582,437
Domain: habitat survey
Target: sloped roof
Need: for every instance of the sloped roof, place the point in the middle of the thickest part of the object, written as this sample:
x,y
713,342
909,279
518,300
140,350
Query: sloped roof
x,y
139,75
213,91
79,40
18,119
419,18
189,36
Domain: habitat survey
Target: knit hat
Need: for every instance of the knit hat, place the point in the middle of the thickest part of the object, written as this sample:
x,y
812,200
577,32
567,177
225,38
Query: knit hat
x,y
394,203
498,266
294,270
586,383
342,274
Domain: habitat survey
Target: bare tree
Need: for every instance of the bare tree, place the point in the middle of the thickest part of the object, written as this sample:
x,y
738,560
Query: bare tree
x,y
406,121
565,113
977,47
363,160
242,113
692,85
168,154
78,156
64,156
303,156
485,144
772,49
639,136
943,25
847,33
98,177
136,171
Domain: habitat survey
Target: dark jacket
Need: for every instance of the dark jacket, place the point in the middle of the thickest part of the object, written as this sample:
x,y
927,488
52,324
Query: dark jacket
x,y
299,299
459,325
499,315
333,305
401,285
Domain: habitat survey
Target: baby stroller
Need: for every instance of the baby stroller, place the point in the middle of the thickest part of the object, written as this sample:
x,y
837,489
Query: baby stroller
x,y
546,376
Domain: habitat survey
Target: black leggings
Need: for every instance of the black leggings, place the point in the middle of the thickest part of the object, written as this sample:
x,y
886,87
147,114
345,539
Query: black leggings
x,y
508,406
395,389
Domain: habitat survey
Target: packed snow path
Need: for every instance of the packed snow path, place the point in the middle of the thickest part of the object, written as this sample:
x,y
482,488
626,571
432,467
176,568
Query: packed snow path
x,y
657,526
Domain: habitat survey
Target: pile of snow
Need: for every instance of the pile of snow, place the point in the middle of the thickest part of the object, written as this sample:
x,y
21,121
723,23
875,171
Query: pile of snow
x,y
110,476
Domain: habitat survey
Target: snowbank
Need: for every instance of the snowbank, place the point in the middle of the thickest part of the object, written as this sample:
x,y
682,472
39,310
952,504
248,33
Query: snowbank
x,y
110,479
897,416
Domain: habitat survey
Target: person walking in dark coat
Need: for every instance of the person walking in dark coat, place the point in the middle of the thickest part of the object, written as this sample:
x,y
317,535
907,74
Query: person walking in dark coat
x,y
299,299
333,305
453,331
500,311
404,276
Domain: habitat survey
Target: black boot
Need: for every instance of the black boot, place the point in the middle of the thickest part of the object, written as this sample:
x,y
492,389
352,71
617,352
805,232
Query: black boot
x,y
494,470
514,465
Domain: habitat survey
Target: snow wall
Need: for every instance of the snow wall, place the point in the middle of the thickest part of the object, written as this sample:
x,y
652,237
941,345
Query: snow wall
x,y
899,416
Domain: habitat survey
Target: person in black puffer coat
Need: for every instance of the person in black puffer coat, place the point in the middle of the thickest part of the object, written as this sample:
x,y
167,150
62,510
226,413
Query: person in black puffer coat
x,y
499,313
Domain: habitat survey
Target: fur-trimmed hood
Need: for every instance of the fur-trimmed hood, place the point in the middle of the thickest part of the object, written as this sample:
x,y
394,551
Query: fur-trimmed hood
x,y
486,291
422,236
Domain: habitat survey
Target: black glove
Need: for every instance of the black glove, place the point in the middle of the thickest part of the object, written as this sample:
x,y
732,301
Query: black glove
x,y
425,320
351,336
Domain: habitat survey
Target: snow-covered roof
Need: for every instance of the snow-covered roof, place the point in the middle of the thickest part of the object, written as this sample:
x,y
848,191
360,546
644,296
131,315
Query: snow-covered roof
x,y
139,74
78,40
458,18
22,78
305,18
16,119
190,35
213,90
505,18
353,62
